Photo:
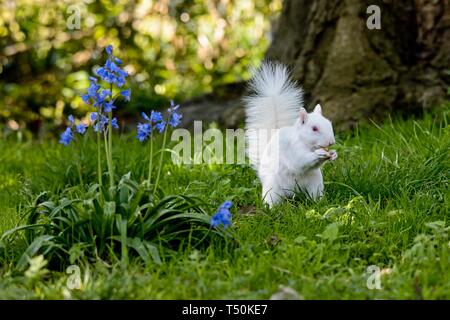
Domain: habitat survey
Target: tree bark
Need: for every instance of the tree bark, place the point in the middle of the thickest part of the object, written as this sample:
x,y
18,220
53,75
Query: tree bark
x,y
355,72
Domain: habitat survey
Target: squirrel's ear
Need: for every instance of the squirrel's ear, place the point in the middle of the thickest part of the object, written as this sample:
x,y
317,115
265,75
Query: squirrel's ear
x,y
318,109
303,115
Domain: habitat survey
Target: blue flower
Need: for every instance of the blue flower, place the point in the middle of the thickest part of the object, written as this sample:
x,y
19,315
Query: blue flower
x,y
66,136
160,126
105,93
143,131
94,116
99,123
175,119
114,123
111,66
155,119
109,106
126,94
173,107
156,116
222,216
81,128
102,98
93,88
111,72
109,50
86,98
227,205
145,116
92,91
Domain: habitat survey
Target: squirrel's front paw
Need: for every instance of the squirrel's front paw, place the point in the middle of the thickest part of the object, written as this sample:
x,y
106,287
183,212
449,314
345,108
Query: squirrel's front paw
x,y
322,154
333,155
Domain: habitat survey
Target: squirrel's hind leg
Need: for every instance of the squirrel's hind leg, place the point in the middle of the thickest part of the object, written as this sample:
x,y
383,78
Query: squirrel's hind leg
x,y
314,184
271,194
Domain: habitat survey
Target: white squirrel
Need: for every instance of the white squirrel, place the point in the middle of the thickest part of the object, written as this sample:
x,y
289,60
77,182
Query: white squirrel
x,y
286,145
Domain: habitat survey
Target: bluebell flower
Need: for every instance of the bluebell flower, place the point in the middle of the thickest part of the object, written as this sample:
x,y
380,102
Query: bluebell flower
x,y
155,119
102,98
156,116
109,106
81,128
66,136
109,50
143,131
111,66
93,88
222,216
86,98
93,116
160,126
105,93
120,79
227,205
145,116
114,123
99,99
99,122
102,124
173,107
126,94
111,72
175,119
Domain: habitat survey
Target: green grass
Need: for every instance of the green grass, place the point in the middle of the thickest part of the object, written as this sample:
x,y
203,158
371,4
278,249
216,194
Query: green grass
x,y
387,204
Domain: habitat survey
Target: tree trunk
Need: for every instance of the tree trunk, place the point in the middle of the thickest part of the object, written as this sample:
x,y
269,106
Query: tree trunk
x,y
355,72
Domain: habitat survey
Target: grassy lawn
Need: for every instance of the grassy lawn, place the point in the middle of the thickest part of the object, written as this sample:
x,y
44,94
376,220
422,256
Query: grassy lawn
x,y
387,205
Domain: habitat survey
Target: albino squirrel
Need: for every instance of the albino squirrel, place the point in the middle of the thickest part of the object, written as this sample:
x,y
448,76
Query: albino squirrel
x,y
286,145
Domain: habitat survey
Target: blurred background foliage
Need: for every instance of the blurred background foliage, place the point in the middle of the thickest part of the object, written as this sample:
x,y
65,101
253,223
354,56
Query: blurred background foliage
x,y
173,49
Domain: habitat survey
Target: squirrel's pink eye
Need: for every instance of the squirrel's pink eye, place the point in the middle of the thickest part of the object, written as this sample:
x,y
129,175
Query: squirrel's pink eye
x,y
314,128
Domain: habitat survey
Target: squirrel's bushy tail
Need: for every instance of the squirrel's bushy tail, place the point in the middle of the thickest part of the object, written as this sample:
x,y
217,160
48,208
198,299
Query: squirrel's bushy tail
x,y
274,102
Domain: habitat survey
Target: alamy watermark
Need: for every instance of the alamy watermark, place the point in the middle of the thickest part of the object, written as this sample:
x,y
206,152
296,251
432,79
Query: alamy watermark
x,y
73,21
229,146
74,280
375,274
374,20
374,278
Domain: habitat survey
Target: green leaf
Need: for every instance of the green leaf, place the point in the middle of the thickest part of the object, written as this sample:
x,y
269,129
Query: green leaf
x,y
146,250
109,208
107,218
32,249
331,232
25,227
122,226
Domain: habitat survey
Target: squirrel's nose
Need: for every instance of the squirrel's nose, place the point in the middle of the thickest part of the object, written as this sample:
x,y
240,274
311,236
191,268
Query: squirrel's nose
x,y
332,141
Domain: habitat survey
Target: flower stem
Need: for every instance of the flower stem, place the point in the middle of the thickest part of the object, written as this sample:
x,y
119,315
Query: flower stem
x,y
160,160
150,161
108,143
106,150
110,162
99,157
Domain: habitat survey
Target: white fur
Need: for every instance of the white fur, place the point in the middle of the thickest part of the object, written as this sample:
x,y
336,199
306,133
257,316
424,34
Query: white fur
x,y
281,143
